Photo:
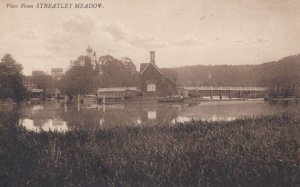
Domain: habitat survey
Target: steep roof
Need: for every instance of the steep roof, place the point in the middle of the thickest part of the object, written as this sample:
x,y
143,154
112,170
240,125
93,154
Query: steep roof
x,y
170,80
143,66
146,65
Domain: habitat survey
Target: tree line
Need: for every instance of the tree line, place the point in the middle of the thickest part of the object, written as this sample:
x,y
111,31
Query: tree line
x,y
282,77
11,79
108,72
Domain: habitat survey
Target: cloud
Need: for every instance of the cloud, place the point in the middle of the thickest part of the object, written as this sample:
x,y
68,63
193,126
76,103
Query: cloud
x,y
118,31
238,41
45,50
77,32
39,56
147,41
80,24
260,40
27,35
121,34
187,41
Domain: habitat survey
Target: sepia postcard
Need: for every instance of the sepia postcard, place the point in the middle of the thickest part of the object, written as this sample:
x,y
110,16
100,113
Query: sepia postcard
x,y
149,93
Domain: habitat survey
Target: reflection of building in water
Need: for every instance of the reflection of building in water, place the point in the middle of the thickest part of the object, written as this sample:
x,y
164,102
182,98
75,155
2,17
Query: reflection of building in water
x,y
104,107
89,106
78,106
181,119
138,121
214,117
47,125
37,107
101,106
57,121
158,113
101,122
152,115
112,106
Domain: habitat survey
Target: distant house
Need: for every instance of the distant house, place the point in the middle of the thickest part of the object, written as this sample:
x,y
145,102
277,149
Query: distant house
x,y
33,91
152,80
90,53
36,93
57,73
28,83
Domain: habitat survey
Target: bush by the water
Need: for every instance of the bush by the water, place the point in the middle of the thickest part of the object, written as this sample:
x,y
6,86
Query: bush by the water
x,y
245,152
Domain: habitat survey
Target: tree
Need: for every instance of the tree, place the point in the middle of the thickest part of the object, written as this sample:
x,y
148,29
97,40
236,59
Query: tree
x,y
11,79
80,80
86,75
117,72
42,80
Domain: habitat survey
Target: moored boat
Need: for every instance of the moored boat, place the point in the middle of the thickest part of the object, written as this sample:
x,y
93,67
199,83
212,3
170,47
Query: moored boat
x,y
282,99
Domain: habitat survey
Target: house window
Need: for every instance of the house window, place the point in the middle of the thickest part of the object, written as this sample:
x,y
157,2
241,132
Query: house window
x,y
151,87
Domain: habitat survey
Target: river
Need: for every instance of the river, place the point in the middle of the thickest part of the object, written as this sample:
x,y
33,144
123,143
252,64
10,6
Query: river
x,y
68,116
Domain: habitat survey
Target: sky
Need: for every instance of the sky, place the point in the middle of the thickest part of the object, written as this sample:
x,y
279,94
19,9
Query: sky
x,y
181,32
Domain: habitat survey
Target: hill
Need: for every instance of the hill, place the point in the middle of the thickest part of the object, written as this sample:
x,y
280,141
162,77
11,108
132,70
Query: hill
x,y
281,72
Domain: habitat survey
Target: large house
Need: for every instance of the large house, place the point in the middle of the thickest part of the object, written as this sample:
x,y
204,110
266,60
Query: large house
x,y
90,53
153,82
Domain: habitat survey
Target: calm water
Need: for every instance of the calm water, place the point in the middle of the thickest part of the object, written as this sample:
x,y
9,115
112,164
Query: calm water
x,y
63,117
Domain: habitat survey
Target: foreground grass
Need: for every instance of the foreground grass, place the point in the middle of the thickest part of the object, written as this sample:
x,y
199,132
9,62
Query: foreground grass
x,y
245,152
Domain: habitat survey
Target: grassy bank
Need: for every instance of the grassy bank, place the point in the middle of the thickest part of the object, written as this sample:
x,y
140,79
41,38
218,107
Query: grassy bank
x,y
245,152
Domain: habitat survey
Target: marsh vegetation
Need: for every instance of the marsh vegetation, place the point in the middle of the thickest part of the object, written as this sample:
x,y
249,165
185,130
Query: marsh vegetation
x,y
245,152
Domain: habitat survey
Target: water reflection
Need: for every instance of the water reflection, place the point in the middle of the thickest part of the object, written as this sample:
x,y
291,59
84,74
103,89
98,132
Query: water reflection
x,y
64,117
47,125
37,107
152,115
101,122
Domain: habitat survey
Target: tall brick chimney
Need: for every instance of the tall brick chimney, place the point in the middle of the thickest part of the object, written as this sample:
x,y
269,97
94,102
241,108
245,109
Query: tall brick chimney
x,y
152,57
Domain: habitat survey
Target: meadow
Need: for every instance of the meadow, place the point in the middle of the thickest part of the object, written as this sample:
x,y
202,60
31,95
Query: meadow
x,y
261,151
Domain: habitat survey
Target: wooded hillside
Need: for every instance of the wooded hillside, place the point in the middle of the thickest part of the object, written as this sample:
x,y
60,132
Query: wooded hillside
x,y
284,71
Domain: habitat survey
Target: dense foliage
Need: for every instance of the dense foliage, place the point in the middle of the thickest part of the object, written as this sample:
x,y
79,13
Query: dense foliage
x,y
11,79
80,80
245,152
282,76
117,73
108,72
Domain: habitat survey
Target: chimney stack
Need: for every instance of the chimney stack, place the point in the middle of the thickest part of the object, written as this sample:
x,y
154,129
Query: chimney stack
x,y
152,57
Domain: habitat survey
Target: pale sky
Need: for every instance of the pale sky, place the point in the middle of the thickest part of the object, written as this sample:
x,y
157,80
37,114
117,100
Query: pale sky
x,y
182,32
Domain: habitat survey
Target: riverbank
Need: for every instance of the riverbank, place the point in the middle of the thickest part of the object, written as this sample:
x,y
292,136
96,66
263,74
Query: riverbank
x,y
245,152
